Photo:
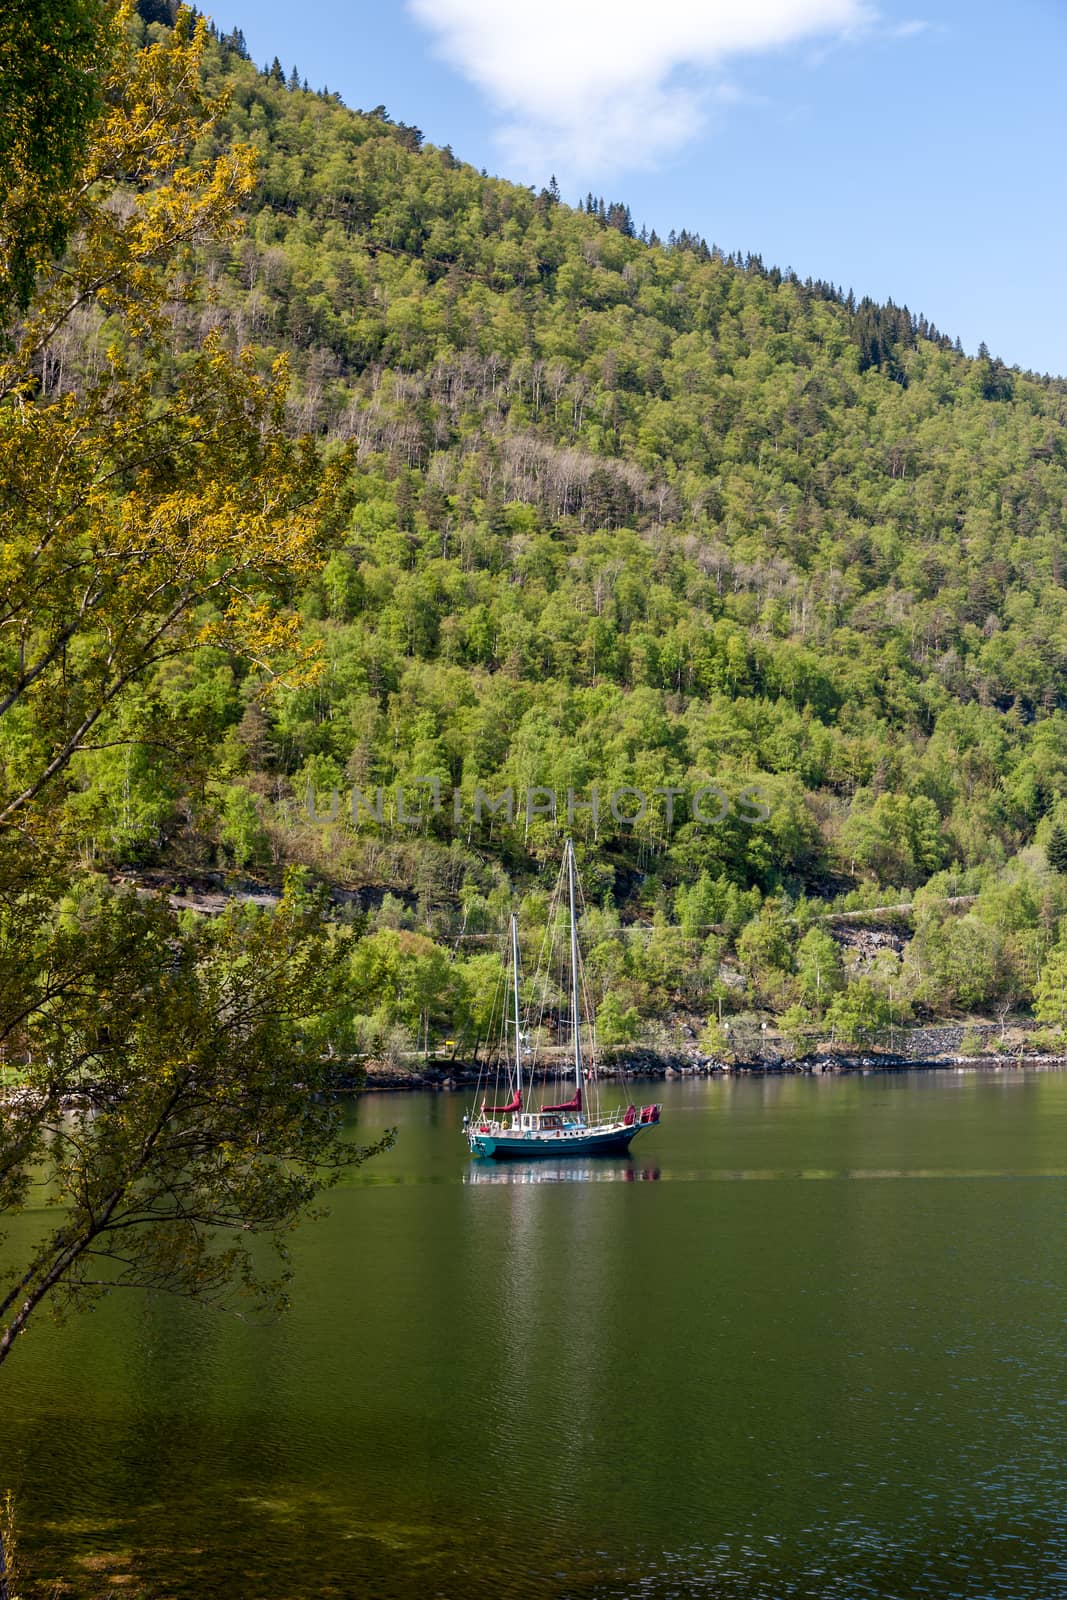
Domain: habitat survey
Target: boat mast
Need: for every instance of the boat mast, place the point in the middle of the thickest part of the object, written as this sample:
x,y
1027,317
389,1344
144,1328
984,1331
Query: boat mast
x,y
574,971
515,987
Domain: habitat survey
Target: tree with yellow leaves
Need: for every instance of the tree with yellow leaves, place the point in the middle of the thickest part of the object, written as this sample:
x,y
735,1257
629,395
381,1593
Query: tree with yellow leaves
x,y
160,1079
135,523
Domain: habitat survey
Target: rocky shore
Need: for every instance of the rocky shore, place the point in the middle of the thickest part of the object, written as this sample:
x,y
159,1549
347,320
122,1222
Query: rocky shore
x,y
924,1049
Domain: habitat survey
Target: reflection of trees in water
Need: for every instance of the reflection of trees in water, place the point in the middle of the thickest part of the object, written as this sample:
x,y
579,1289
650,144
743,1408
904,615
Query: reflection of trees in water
x,y
558,1172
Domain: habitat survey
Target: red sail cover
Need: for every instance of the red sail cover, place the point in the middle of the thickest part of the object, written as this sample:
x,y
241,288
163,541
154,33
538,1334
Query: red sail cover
x,y
514,1104
568,1105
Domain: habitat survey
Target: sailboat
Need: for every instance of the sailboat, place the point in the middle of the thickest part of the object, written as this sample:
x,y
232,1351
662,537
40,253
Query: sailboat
x,y
517,1130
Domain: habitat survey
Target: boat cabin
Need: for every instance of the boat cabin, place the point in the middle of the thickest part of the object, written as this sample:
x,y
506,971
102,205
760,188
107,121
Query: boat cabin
x,y
539,1120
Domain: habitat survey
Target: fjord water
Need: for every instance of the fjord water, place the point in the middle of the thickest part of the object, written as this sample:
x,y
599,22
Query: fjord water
x,y
809,1340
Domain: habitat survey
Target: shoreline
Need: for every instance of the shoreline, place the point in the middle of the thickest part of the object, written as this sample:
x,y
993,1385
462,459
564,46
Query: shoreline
x,y
454,1076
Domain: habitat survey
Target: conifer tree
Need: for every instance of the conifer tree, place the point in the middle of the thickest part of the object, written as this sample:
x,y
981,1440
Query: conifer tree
x,y
1056,848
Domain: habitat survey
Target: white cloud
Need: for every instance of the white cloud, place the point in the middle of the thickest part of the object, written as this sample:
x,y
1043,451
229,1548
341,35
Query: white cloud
x,y
594,85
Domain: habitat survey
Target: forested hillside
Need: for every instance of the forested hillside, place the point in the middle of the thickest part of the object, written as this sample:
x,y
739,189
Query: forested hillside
x,y
626,514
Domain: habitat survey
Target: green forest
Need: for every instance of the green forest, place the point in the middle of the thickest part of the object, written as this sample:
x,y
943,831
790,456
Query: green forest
x,y
594,510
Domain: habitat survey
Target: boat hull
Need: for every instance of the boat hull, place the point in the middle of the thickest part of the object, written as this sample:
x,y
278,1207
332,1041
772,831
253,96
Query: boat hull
x,y
612,1141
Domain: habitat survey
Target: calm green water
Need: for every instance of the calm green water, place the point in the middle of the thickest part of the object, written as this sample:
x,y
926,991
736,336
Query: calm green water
x,y
808,1341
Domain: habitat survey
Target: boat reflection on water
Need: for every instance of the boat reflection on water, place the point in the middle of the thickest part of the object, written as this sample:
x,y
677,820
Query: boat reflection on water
x,y
558,1172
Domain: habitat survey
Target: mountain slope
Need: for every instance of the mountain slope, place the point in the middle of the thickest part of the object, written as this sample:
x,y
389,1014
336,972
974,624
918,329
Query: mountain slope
x,y
631,516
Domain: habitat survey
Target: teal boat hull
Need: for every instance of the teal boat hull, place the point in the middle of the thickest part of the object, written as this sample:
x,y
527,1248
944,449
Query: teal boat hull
x,y
582,1142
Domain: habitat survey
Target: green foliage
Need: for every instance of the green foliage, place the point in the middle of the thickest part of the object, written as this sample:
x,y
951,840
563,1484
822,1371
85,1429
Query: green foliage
x,y
616,1026
616,515
765,952
1050,1000
52,54
957,963
638,515
715,1039
796,1027
172,1075
241,832
898,837
1056,848
405,977
194,1114
819,974
858,1012
646,516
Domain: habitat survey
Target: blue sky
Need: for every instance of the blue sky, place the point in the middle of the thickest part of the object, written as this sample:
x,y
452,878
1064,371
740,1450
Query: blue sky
x,y
913,150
